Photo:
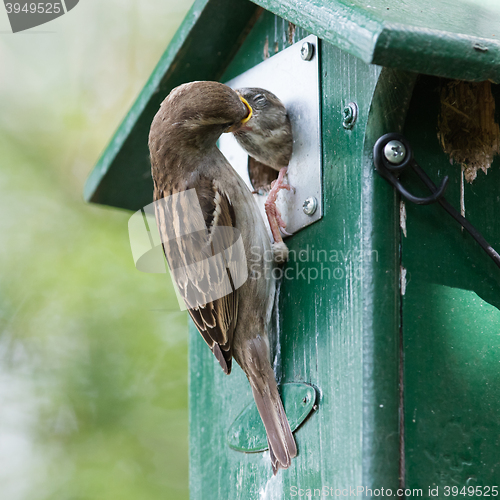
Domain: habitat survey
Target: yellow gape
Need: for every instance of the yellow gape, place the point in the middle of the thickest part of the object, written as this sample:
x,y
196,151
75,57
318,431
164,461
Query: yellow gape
x,y
236,126
250,111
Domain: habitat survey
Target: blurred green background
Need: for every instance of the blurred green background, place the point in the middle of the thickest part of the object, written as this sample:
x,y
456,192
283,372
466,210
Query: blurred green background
x,y
93,354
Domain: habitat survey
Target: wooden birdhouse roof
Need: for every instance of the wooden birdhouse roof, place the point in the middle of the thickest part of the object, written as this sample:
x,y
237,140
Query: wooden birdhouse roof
x,y
451,38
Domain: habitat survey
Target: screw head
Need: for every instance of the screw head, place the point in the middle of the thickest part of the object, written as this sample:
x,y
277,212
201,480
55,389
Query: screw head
x,y
350,115
395,152
307,51
310,205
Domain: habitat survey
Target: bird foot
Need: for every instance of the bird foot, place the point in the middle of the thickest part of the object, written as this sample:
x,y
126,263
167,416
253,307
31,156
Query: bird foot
x,y
273,214
280,252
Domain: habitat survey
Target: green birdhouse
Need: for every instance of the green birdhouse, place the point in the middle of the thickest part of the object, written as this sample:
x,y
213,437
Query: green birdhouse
x,y
386,330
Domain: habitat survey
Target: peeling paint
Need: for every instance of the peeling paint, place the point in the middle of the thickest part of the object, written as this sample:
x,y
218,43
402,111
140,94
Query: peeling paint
x,y
266,48
273,489
275,334
403,280
291,33
402,217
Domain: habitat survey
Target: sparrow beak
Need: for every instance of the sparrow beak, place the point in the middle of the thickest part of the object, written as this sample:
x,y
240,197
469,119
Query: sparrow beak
x,y
236,126
250,110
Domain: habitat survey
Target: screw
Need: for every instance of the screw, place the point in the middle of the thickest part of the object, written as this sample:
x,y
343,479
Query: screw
x,y
310,205
395,152
307,51
350,115
480,48
304,401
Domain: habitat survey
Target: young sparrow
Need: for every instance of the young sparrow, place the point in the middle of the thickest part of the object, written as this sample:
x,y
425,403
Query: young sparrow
x,y
204,210
267,137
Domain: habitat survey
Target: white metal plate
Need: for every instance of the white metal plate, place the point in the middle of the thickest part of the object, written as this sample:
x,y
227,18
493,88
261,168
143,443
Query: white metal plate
x,y
296,83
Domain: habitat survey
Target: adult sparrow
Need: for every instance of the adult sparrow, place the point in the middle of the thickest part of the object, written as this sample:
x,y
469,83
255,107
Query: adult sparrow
x,y
204,211
267,137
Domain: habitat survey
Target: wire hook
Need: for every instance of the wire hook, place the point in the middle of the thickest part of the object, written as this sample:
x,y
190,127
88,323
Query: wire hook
x,y
385,168
388,170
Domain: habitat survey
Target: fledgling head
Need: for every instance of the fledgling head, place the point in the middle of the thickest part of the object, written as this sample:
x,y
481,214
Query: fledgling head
x,y
267,135
194,115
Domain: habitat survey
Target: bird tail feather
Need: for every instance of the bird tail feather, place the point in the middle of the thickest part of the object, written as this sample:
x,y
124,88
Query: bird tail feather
x,y
282,445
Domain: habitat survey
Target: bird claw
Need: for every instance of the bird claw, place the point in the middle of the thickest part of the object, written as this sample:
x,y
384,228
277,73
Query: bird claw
x,y
280,183
276,223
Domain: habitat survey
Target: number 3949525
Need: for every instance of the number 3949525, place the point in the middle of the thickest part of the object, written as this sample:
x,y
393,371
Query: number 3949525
x,y
34,8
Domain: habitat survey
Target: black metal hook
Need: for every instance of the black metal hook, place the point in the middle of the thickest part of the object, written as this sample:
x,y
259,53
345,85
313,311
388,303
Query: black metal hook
x,y
385,168
388,170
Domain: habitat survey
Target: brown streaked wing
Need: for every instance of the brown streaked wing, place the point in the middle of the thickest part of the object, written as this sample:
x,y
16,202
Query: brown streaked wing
x,y
215,319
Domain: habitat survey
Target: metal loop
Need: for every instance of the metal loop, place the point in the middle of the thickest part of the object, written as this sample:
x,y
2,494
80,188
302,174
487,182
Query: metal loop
x,y
387,170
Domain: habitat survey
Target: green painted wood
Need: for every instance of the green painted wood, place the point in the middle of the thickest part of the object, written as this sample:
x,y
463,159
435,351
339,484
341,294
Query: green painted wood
x,y
456,39
248,434
451,319
201,49
271,35
382,437
337,322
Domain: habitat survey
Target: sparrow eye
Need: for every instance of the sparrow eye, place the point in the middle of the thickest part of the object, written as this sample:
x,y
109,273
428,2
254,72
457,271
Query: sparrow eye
x,y
260,99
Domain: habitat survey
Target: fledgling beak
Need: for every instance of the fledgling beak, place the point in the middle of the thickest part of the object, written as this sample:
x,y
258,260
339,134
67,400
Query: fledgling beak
x,y
236,126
